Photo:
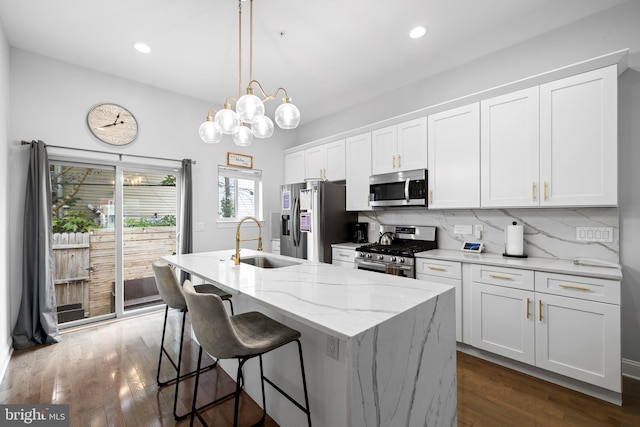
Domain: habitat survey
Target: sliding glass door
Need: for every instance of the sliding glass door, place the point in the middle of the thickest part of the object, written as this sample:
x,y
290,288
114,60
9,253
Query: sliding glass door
x,y
109,224
150,211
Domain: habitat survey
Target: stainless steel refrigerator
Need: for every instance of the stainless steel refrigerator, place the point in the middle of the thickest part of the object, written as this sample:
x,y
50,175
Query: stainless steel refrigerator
x,y
313,217
292,241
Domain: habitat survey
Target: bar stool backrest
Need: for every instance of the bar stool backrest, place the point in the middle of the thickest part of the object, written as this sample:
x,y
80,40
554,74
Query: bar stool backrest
x,y
168,285
212,325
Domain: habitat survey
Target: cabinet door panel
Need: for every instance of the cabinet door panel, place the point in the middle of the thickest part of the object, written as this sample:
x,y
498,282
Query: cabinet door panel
x,y
335,169
454,158
578,139
358,167
294,165
579,339
510,149
500,323
315,162
384,148
412,144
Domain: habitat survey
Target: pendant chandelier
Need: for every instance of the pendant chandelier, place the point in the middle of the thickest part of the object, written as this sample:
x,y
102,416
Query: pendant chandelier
x,y
249,107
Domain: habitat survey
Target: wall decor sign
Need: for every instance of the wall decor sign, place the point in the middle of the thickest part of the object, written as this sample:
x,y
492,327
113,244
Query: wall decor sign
x,y
241,160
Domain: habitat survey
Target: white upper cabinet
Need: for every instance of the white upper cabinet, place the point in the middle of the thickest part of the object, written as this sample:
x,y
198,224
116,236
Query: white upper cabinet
x,y
509,147
454,158
579,140
399,147
294,167
326,162
358,150
335,169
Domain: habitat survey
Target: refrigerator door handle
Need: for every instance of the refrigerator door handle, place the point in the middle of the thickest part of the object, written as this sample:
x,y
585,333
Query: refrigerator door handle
x,y
296,222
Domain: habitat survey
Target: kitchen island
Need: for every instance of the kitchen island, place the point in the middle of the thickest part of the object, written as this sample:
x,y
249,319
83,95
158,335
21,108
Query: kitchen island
x,y
379,349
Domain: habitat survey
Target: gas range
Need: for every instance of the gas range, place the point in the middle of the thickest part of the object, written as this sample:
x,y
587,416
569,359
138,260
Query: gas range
x,y
398,256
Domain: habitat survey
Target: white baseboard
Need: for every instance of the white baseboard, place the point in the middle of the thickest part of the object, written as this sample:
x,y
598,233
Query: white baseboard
x,y
5,357
631,369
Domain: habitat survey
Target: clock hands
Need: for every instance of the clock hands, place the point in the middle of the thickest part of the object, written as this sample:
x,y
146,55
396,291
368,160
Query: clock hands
x,y
121,122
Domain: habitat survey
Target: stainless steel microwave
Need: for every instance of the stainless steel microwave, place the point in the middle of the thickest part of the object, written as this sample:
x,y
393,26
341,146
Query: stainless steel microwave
x,y
407,188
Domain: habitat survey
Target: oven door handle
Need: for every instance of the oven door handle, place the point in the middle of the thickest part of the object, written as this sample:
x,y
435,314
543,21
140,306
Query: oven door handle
x,y
406,190
375,265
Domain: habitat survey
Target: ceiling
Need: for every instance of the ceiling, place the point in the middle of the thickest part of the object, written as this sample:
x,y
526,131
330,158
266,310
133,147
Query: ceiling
x,y
328,54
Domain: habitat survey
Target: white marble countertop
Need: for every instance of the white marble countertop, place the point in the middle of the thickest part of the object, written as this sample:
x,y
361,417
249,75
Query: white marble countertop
x,y
348,245
339,301
562,266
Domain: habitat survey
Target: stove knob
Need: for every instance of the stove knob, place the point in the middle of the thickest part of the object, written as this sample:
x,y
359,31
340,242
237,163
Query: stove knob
x,y
368,255
401,260
393,259
380,257
360,255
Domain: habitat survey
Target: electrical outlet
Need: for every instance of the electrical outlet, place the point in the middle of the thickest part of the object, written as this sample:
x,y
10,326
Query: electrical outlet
x,y
332,347
199,226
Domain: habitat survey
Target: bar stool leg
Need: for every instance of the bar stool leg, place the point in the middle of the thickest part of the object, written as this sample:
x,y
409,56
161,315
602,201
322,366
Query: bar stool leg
x,y
304,384
164,330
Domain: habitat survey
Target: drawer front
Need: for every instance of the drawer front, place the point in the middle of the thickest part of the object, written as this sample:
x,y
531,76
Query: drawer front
x,y
587,288
509,277
434,267
343,255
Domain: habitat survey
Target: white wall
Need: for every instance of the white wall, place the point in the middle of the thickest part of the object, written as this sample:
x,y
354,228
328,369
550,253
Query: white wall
x,y
599,34
50,100
5,327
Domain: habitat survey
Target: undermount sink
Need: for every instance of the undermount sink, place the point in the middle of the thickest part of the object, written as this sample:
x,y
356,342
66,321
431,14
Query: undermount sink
x,y
267,262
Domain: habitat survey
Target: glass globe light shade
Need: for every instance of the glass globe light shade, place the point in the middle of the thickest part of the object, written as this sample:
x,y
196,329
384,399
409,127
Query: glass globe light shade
x,y
287,116
243,136
227,120
262,127
249,108
210,132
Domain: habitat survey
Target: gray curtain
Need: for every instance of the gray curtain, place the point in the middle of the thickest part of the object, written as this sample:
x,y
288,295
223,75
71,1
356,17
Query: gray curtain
x,y
37,320
186,224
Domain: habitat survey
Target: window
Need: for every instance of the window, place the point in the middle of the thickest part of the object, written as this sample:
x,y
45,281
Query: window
x,y
239,193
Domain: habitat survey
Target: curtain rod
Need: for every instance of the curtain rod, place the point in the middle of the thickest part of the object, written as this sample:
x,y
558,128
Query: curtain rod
x,y
23,142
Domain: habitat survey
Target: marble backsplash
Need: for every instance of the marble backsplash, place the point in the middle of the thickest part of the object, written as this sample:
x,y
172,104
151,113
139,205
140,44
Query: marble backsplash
x,y
548,233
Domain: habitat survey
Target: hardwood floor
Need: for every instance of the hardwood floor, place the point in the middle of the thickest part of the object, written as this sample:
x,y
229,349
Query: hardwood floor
x,y
106,374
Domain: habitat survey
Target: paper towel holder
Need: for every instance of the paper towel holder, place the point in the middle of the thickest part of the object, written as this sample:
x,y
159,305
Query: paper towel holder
x,y
505,254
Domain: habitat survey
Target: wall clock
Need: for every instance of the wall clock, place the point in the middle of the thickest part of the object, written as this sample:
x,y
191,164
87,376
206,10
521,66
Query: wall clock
x,y
112,124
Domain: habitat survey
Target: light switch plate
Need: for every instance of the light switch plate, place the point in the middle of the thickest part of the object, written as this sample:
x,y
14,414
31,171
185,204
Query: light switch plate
x,y
594,234
199,226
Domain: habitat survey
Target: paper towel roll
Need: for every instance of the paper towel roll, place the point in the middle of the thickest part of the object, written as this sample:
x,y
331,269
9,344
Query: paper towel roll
x,y
514,244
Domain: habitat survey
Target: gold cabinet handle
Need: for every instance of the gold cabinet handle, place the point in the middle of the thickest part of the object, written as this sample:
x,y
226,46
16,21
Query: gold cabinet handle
x,y
545,190
430,196
393,162
398,160
368,200
528,313
540,309
580,288
533,191
437,268
500,276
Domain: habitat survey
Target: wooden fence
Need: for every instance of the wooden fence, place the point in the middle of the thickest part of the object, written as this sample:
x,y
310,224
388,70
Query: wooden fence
x,y
84,263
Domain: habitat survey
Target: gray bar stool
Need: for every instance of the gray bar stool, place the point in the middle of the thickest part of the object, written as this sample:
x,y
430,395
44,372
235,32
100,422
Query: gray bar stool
x,y
171,293
242,337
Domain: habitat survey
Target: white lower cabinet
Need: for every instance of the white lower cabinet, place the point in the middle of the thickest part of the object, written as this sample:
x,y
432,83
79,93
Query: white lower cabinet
x,y
553,321
447,273
343,257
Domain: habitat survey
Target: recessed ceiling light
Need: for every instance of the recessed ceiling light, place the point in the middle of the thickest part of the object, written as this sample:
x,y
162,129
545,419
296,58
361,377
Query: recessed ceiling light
x,y
142,47
417,32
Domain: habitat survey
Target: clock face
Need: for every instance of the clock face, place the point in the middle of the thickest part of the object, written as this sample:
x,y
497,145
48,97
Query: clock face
x,y
112,124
